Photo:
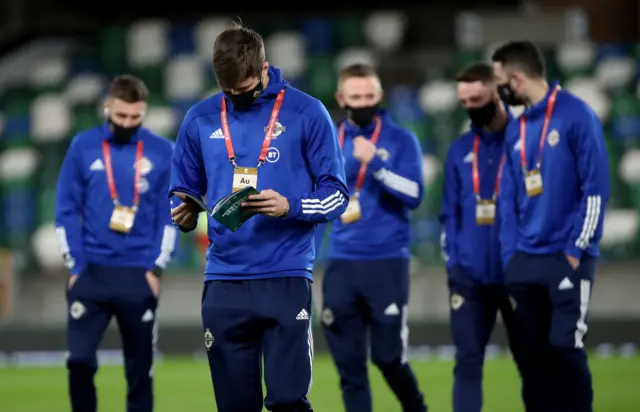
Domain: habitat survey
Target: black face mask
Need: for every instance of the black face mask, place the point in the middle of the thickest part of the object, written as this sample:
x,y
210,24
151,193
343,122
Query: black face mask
x,y
362,116
508,96
483,116
123,134
244,100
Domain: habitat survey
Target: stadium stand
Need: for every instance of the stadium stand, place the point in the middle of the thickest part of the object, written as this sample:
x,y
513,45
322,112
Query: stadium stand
x,y
64,93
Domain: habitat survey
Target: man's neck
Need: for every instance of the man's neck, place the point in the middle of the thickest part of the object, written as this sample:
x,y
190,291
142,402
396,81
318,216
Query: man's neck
x,y
537,91
265,81
499,119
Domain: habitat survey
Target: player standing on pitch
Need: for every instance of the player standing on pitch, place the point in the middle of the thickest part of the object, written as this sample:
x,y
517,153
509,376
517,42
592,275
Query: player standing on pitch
x,y
471,222
256,301
115,232
555,187
366,284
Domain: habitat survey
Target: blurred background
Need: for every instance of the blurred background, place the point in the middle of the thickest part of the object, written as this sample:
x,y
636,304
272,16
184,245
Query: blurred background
x,y
56,58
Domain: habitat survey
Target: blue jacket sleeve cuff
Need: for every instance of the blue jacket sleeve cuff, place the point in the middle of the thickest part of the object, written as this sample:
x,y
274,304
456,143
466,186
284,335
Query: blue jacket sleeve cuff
x,y
450,263
77,270
376,164
574,251
505,260
295,207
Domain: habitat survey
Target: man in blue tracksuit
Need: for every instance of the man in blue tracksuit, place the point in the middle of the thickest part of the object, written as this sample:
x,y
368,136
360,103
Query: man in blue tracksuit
x,y
366,283
555,187
470,239
257,293
114,229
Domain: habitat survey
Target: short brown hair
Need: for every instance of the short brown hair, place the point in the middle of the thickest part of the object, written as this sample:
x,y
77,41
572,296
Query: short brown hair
x,y
238,53
523,55
476,72
356,70
129,89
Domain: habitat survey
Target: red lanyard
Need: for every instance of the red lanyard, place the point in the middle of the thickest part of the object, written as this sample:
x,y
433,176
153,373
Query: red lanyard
x,y
475,173
267,137
543,136
374,139
106,153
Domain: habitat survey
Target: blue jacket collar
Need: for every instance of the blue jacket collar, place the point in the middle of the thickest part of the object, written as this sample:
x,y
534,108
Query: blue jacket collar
x,y
355,130
541,106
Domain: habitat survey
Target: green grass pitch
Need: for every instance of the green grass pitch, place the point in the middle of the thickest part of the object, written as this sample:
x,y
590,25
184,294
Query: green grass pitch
x,y
184,385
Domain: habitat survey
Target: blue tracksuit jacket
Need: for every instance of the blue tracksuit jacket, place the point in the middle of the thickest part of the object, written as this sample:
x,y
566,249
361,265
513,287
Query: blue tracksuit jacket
x,y
473,247
84,205
568,215
304,164
392,187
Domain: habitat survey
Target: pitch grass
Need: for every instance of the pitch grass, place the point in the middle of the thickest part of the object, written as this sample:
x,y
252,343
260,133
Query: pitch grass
x,y
184,385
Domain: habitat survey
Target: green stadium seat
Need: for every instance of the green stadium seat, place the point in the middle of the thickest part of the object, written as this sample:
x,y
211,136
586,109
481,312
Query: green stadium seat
x,y
619,190
113,50
322,79
349,32
46,205
51,155
463,58
16,101
153,76
86,116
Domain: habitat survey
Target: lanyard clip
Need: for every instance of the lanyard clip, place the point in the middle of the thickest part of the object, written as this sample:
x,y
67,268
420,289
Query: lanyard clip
x,y
232,160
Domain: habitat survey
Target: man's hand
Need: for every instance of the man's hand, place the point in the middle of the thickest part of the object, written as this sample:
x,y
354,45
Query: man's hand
x,y
363,149
268,203
154,283
573,261
186,215
72,280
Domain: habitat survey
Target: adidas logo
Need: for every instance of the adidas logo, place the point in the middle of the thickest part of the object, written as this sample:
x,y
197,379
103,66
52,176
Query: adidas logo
x,y
468,158
565,284
148,316
96,165
303,315
517,145
217,134
392,310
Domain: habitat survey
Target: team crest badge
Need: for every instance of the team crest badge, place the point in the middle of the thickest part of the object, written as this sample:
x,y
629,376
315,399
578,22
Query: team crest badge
x,y
383,153
553,138
145,166
456,301
327,316
77,309
209,340
278,129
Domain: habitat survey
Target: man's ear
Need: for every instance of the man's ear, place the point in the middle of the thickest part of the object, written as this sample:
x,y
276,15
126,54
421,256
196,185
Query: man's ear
x,y
339,99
